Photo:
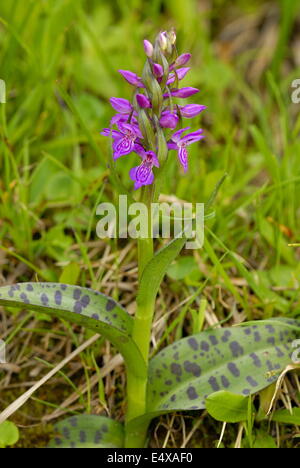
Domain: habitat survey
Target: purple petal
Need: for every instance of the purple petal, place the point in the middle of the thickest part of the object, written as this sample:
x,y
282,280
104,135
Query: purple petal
x,y
122,146
157,70
192,137
152,158
169,120
143,101
184,92
140,150
132,78
177,135
181,60
111,133
121,105
132,130
191,110
180,74
141,175
148,47
183,157
172,145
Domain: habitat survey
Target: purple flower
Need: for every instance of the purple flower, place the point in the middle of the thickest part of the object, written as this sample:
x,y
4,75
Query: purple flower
x,y
179,143
143,101
148,47
191,110
179,74
181,60
169,119
142,174
124,139
132,78
183,92
121,105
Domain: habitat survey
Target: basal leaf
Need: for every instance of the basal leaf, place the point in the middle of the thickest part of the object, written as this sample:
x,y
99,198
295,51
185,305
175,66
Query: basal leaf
x,y
82,306
242,360
88,431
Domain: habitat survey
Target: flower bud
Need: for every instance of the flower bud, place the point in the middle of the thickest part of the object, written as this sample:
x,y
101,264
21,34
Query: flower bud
x,y
157,70
148,47
163,41
143,101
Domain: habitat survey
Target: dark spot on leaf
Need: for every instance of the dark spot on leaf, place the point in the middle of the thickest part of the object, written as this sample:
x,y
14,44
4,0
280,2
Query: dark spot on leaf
x,y
44,299
73,421
95,316
214,384
271,340
104,428
24,298
193,344
256,360
246,391
270,328
63,287
168,382
193,368
257,337
191,393
236,349
279,352
251,381
98,437
204,346
173,397
110,305
225,381
176,369
85,300
58,297
233,369
82,436
76,294
29,287
77,308
213,340
66,432
226,336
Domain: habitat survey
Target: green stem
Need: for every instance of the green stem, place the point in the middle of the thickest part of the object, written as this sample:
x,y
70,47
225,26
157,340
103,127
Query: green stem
x,y
136,387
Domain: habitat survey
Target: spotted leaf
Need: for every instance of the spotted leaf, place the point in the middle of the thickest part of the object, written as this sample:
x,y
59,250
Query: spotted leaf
x,y
82,306
88,432
242,360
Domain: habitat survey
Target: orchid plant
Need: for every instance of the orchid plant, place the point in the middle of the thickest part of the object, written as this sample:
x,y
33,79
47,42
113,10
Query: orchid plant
x,y
242,360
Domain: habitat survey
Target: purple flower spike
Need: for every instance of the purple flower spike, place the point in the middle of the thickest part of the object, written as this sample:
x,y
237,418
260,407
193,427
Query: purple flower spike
x,y
121,105
179,143
148,47
180,74
191,110
132,78
184,92
169,120
143,101
158,70
124,140
143,175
